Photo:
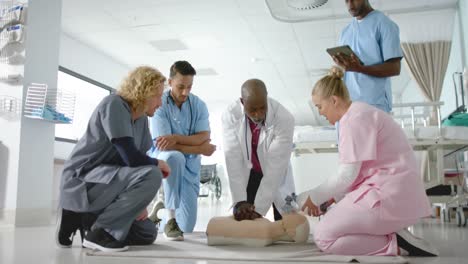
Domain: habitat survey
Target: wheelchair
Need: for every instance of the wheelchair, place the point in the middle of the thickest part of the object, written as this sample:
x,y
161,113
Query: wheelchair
x,y
210,180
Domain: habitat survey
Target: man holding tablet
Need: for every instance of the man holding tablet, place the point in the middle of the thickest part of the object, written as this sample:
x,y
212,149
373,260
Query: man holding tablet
x,y
375,57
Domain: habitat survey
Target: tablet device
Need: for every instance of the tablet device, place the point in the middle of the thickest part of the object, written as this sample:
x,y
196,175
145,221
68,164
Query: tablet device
x,y
343,50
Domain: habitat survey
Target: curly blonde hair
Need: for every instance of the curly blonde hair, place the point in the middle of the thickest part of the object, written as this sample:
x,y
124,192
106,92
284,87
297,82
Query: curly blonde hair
x,y
140,84
332,84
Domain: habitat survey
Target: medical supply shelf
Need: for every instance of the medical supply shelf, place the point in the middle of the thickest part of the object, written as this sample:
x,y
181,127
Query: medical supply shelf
x,y
11,12
12,17
9,106
50,105
10,78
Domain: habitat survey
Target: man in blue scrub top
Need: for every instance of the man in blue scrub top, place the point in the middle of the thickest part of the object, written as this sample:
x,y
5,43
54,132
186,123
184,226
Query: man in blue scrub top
x,y
375,40
181,132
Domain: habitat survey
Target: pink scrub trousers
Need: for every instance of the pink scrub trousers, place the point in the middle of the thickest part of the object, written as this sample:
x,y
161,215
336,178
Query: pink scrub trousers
x,y
357,228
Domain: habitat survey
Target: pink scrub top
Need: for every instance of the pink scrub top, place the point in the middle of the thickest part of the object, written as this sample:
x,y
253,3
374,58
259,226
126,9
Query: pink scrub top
x,y
389,167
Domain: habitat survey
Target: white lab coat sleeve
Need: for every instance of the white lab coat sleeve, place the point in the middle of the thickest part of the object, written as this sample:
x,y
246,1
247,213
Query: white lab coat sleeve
x,y
277,160
234,158
335,186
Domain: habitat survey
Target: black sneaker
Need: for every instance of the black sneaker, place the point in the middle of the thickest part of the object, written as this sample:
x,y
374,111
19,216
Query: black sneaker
x,y
99,239
87,221
415,246
67,224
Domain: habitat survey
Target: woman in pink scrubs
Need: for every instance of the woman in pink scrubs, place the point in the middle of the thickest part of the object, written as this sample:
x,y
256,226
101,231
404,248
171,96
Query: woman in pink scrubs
x,y
378,187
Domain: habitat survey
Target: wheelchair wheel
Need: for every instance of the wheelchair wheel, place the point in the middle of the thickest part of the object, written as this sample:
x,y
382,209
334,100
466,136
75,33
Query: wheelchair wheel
x,y
217,185
461,220
444,215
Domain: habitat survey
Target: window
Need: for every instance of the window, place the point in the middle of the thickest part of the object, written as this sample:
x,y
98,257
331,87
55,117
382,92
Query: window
x,y
88,93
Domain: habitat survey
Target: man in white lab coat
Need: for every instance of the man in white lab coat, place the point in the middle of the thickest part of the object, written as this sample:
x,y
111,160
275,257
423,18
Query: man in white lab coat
x,y
258,140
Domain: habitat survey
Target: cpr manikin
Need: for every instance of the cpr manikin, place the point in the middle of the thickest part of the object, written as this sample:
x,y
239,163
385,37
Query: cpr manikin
x,y
260,232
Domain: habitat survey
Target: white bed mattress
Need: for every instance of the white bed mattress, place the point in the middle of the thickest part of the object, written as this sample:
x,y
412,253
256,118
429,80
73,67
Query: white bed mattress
x,y
314,134
304,134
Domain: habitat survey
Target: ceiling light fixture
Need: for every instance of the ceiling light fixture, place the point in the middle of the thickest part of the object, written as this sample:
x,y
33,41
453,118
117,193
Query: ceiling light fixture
x,y
206,72
166,45
306,4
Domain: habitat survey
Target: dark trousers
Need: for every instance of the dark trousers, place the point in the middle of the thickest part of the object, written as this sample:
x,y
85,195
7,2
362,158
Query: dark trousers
x,y
142,232
252,187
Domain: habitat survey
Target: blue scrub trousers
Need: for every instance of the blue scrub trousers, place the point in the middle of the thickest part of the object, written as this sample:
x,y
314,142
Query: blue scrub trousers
x,y
180,191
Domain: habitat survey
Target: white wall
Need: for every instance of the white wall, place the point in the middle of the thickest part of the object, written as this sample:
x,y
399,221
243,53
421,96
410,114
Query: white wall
x,y
463,10
10,127
89,62
310,170
26,163
455,65
62,150
27,146
9,156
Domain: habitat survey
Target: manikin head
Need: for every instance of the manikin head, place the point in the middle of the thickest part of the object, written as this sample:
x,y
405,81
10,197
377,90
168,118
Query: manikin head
x,y
297,227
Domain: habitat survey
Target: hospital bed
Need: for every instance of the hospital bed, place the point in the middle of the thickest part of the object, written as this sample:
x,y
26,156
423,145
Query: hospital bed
x,y
432,140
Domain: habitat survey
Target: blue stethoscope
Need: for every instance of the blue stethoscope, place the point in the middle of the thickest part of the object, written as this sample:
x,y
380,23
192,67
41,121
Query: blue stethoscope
x,y
173,115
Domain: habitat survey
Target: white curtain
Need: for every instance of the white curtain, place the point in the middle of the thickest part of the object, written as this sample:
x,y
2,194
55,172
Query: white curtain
x,y
426,40
427,62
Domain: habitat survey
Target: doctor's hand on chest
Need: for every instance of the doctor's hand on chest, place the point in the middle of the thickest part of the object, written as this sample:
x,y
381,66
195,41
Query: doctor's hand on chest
x,y
245,211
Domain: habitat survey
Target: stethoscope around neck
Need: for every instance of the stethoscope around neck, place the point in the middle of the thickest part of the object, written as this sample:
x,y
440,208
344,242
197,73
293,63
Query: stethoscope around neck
x,y
247,126
173,115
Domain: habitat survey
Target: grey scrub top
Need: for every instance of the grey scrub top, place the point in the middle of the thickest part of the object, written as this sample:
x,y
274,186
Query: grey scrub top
x,y
94,158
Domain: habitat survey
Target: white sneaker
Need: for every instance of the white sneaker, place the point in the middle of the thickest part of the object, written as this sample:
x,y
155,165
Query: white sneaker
x,y
415,246
153,215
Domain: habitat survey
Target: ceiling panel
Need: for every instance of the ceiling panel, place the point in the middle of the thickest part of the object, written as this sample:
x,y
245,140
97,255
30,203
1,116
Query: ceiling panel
x,y
315,54
315,30
92,24
280,48
253,7
122,45
178,12
267,24
73,8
